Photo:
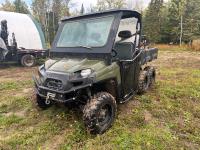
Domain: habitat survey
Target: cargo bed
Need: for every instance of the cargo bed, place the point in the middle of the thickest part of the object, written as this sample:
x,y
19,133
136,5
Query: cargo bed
x,y
149,55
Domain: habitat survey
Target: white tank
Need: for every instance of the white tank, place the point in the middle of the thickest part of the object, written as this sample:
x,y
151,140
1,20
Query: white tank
x,y
27,30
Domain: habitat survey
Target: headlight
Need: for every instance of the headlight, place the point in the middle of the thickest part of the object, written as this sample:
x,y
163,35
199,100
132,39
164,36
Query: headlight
x,y
85,73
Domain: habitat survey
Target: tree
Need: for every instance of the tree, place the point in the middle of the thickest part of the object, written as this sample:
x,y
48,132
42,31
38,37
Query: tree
x,y
17,6
153,20
49,13
39,8
7,6
21,7
173,26
109,4
91,9
82,10
191,21
137,5
165,31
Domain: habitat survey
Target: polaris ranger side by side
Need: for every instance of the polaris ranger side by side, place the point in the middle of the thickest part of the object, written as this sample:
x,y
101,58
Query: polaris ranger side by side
x,y
97,61
11,52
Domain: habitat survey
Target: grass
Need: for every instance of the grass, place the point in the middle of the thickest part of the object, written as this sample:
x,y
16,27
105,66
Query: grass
x,y
196,45
166,117
7,121
174,48
14,85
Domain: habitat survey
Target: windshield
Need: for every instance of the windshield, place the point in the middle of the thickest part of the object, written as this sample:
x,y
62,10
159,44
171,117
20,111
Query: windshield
x,y
86,33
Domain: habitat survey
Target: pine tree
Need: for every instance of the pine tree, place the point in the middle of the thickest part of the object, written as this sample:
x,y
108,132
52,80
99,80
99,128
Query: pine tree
x,y
82,10
173,26
191,20
17,6
153,20
21,7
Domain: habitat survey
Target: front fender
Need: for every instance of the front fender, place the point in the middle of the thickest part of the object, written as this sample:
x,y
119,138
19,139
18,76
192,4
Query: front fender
x,y
108,72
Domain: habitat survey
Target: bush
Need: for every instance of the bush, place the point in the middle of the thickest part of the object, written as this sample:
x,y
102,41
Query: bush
x,y
196,45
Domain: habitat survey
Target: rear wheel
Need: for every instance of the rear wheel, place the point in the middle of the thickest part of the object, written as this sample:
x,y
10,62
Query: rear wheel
x,y
144,82
99,113
152,72
28,60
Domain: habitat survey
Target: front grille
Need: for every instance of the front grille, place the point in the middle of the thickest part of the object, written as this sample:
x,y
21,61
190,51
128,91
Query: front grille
x,y
77,83
54,84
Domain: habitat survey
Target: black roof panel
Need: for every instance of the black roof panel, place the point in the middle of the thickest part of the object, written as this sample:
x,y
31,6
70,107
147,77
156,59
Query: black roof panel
x,y
125,14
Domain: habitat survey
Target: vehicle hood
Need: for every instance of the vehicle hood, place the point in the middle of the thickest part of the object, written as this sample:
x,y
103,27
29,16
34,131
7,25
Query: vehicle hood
x,y
73,65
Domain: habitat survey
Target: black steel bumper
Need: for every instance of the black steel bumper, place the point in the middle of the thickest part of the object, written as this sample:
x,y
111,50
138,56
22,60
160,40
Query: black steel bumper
x,y
60,96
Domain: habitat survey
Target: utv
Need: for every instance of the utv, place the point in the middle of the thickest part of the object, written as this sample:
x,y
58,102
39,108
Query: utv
x,y
25,57
97,60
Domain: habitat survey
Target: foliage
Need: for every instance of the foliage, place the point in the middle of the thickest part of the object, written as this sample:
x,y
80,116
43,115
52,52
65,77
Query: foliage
x,y
7,6
17,6
21,7
192,20
109,4
162,21
173,26
153,20
49,13
82,9
170,20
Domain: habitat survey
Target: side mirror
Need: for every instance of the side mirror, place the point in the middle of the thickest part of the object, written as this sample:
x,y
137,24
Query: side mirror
x,y
125,34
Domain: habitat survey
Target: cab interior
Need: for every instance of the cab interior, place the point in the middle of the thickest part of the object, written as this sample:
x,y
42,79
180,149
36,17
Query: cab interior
x,y
127,39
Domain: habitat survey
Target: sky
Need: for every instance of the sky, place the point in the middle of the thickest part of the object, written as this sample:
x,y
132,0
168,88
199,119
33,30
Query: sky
x,y
87,3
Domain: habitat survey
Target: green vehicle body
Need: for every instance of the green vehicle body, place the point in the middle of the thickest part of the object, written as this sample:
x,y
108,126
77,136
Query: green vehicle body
x,y
101,70
118,76
97,75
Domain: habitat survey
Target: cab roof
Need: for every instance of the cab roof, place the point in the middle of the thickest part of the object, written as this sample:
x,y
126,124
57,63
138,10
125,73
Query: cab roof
x,y
125,14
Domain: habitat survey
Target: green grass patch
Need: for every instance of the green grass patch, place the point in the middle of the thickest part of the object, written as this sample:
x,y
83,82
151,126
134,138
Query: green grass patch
x,y
11,103
9,120
15,85
32,137
8,86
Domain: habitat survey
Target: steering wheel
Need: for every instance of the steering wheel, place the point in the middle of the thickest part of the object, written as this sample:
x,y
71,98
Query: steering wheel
x,y
114,53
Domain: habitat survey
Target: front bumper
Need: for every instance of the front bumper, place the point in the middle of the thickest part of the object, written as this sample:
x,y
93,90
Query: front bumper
x,y
58,96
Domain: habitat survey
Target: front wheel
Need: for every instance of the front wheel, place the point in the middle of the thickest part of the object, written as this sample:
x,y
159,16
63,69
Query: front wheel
x,y
28,60
99,113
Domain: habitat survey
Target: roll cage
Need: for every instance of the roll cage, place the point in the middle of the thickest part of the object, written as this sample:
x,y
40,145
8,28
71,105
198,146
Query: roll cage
x,y
104,52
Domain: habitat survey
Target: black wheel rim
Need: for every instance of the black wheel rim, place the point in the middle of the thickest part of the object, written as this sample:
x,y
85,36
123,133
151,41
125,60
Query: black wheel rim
x,y
105,114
